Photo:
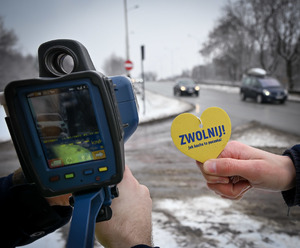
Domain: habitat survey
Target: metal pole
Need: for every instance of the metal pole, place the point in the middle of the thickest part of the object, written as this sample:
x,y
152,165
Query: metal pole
x,y
126,33
143,76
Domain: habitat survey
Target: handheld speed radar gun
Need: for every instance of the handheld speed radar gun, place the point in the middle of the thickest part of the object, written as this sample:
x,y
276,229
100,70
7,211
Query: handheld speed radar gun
x,y
69,127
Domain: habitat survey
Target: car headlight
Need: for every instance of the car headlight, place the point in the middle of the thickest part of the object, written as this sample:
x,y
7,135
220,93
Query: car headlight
x,y
266,92
197,88
182,88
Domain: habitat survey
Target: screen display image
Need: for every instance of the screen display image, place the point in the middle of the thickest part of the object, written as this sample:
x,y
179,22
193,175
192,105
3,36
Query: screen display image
x,y
67,126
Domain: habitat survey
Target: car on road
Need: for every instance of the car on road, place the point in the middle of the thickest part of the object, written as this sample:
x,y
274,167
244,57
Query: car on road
x,y
51,125
262,88
187,87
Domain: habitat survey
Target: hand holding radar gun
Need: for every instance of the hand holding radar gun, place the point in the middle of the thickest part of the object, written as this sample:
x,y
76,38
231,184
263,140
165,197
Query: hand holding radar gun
x,y
69,127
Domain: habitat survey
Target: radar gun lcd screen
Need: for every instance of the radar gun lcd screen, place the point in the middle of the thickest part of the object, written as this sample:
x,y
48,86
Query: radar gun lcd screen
x,y
66,125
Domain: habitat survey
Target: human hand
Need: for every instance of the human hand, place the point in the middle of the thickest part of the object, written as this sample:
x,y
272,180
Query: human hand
x,y
240,167
131,222
61,200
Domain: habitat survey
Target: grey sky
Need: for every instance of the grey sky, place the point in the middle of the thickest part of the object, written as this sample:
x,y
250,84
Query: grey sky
x,y
171,30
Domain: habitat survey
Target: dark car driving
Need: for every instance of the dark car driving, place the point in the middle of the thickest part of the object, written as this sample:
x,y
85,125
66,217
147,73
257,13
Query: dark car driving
x,y
187,87
262,88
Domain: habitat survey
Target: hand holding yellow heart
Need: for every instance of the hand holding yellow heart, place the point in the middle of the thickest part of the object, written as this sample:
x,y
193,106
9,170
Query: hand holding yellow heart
x,y
204,138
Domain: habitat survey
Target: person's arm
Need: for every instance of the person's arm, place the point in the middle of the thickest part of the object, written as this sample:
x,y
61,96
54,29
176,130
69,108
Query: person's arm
x,y
26,215
241,167
131,223
292,196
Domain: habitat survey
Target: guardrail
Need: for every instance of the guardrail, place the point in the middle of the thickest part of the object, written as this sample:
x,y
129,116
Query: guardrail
x,y
220,82
236,84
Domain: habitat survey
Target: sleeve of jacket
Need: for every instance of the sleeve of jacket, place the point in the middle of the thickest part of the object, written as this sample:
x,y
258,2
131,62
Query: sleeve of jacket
x,y
144,246
292,196
25,215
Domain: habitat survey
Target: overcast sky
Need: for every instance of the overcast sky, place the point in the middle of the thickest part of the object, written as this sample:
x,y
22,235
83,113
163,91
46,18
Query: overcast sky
x,y
171,30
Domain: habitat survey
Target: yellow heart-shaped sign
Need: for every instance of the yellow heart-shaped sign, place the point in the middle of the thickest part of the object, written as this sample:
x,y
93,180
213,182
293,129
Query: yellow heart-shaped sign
x,y
204,138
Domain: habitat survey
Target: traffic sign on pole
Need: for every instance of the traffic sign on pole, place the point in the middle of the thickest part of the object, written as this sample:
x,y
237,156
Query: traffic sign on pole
x,y
143,76
128,65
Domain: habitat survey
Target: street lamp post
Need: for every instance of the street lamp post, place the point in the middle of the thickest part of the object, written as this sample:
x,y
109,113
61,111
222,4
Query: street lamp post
x,y
126,30
126,34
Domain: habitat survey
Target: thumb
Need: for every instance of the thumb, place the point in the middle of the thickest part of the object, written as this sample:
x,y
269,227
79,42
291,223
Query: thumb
x,y
227,167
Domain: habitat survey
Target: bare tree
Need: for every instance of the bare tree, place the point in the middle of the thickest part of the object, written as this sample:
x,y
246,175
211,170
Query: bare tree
x,y
253,17
257,32
7,40
13,65
114,65
229,45
150,76
274,26
285,24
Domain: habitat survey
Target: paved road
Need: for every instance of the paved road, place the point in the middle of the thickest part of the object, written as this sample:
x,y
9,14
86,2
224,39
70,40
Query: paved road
x,y
284,117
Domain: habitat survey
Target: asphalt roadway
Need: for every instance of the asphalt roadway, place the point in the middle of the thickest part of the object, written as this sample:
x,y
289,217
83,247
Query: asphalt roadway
x,y
284,117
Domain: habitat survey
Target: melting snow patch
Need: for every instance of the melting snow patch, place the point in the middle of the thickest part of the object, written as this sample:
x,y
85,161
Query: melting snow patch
x,y
159,106
212,222
265,138
4,133
255,134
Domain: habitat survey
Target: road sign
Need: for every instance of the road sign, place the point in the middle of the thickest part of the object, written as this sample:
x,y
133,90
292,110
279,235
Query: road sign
x,y
128,65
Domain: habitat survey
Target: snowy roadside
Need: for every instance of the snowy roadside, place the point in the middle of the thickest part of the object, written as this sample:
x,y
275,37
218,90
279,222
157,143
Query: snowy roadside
x,y
217,223
159,107
4,133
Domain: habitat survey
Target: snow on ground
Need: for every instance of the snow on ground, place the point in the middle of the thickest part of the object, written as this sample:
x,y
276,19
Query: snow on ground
x,y
4,133
263,137
159,107
206,214
224,88
258,135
